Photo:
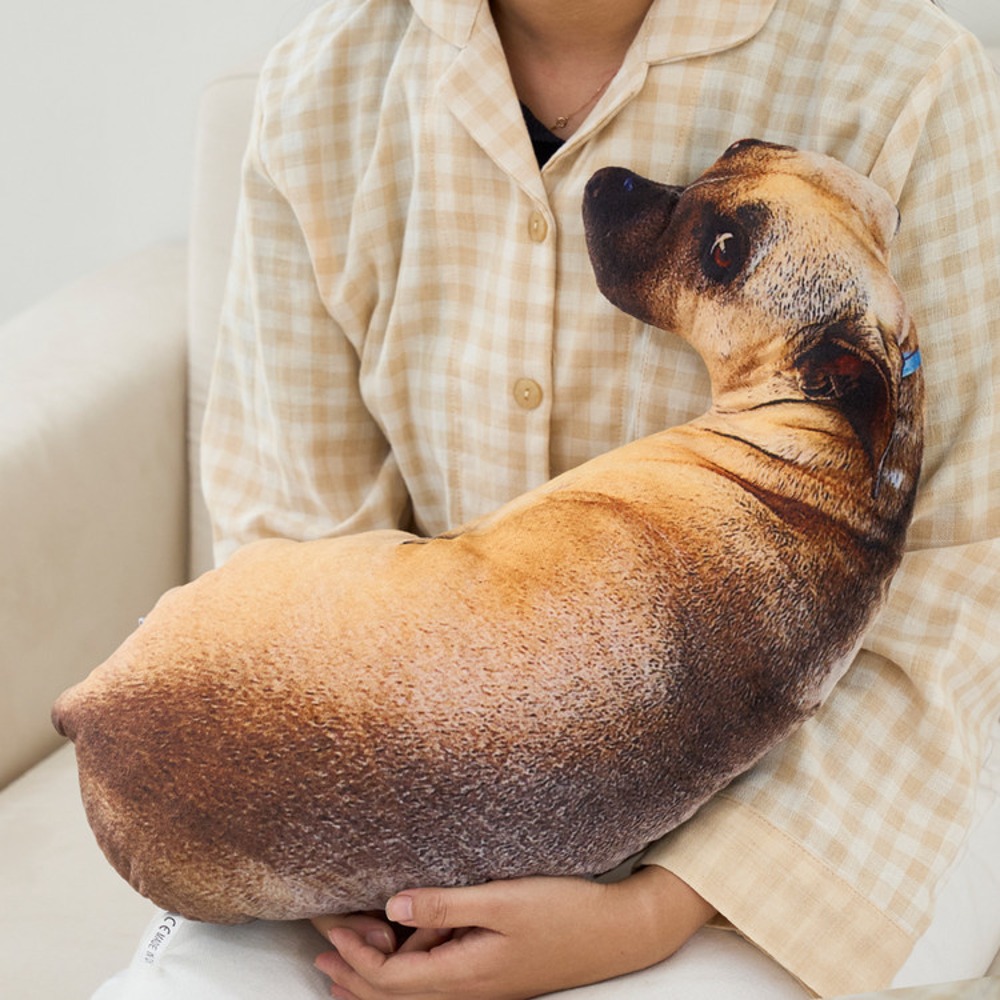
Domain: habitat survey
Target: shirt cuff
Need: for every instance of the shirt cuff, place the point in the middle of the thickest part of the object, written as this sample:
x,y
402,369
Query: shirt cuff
x,y
784,899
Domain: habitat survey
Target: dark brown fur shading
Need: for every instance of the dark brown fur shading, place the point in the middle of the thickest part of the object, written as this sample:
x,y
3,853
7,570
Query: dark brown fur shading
x,y
317,725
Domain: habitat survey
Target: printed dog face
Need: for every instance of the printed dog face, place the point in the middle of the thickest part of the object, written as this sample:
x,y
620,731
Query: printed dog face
x,y
763,236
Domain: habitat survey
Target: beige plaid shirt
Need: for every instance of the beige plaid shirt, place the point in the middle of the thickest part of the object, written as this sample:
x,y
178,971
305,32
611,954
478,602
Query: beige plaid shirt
x,y
413,336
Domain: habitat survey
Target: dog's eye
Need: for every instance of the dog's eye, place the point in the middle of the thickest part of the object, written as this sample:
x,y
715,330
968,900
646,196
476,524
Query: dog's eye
x,y
726,240
723,251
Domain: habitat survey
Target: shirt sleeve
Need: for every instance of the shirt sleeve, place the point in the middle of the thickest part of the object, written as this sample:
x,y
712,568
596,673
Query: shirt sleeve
x,y
828,853
289,447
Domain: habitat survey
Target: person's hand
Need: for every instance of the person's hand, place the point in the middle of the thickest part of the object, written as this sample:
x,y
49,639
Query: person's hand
x,y
371,927
512,940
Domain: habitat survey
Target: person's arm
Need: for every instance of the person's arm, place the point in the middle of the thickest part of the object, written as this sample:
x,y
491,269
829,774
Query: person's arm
x,y
513,939
289,448
828,854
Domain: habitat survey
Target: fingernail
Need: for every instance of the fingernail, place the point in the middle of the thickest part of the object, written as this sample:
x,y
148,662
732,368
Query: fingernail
x,y
380,939
400,909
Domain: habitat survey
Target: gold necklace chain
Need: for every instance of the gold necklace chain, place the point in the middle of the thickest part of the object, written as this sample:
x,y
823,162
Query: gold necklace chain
x,y
563,120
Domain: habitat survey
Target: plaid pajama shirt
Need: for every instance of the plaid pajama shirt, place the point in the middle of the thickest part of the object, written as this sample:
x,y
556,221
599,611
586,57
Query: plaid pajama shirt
x,y
413,335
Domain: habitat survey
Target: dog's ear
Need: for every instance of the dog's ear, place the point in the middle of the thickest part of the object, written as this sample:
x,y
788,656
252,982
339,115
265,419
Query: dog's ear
x,y
847,366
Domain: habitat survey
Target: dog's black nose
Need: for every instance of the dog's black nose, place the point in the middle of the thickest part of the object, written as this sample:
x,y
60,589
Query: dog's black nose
x,y
611,180
619,186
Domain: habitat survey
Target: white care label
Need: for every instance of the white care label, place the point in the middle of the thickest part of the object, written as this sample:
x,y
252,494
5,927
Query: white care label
x,y
161,934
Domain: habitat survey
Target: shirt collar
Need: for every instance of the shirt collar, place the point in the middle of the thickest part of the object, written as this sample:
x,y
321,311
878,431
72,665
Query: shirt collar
x,y
675,29
453,20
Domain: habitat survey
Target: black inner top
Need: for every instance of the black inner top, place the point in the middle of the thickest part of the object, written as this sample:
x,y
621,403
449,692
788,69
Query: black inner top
x,y
544,140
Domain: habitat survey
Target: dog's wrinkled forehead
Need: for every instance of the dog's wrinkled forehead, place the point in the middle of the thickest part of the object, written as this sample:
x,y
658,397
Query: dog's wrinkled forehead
x,y
751,160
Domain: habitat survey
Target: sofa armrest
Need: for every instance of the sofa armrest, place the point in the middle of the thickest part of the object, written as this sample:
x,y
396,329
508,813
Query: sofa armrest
x,y
93,481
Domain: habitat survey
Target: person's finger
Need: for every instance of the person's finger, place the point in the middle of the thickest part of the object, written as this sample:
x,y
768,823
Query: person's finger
x,y
467,906
332,965
372,929
366,972
442,971
425,938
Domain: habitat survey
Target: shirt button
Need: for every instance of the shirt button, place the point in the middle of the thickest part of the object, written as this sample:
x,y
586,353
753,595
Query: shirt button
x,y
538,228
527,393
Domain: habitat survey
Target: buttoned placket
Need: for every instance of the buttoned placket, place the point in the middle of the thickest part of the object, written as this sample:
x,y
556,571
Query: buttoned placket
x,y
476,76
477,81
530,390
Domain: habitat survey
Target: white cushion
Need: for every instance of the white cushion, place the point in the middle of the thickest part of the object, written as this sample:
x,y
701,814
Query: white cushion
x,y
262,961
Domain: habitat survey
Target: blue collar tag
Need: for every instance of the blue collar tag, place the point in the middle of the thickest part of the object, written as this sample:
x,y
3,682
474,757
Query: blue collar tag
x,y
911,362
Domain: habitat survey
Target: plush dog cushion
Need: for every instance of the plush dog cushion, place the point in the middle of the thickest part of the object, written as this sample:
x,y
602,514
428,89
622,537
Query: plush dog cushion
x,y
314,726
182,958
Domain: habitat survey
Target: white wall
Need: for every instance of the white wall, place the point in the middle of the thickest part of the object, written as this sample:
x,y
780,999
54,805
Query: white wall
x,y
980,16
97,108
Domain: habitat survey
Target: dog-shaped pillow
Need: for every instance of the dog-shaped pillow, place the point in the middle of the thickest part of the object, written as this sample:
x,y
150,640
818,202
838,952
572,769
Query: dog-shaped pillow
x,y
315,726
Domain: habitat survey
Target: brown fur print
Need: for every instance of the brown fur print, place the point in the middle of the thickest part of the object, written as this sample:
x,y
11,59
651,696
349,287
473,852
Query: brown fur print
x,y
317,725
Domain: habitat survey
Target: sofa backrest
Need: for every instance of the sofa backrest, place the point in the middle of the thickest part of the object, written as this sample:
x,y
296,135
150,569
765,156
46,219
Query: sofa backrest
x,y
224,118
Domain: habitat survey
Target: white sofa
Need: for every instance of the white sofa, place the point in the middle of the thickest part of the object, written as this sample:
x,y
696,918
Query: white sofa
x,y
101,390
99,385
